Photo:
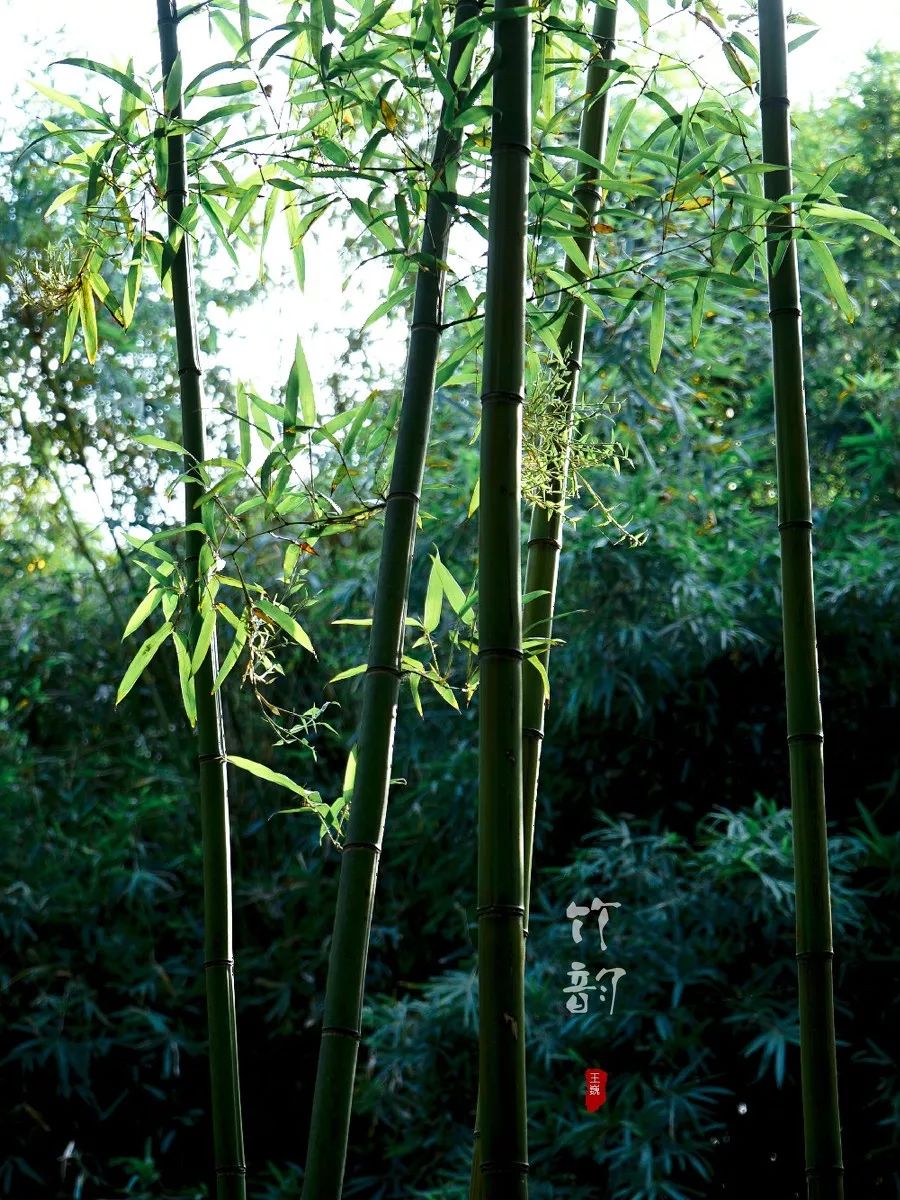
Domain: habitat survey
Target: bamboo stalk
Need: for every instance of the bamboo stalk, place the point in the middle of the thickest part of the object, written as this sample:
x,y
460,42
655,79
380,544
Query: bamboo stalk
x,y
501,912
228,1144
546,534
818,1067
341,1031
545,538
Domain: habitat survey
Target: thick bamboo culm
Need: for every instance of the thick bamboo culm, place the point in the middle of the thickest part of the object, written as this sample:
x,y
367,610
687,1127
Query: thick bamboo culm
x,y
501,910
821,1120
545,538
228,1142
547,519
341,1032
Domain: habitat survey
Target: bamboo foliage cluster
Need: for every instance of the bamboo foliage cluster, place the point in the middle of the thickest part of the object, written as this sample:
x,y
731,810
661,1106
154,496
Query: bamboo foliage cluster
x,y
544,278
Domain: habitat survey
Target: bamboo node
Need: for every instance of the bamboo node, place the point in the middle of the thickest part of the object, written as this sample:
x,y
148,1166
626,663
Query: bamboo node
x,y
805,737
804,955
503,147
502,398
236,1170
797,523
192,369
361,846
218,962
203,759
399,494
341,1031
765,101
500,1168
791,309
555,543
500,910
501,652
384,670
529,731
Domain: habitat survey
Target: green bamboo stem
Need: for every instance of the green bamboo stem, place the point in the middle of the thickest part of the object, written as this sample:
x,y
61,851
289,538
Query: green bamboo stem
x,y
546,533
545,538
821,1119
501,911
228,1144
342,1021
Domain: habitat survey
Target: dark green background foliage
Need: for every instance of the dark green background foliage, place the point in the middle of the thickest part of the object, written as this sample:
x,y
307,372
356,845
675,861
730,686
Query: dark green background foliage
x,y
664,788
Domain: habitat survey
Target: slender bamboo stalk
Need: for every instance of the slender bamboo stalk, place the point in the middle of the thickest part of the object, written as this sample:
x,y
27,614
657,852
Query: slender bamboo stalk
x,y
546,534
341,1031
501,911
228,1142
822,1133
545,539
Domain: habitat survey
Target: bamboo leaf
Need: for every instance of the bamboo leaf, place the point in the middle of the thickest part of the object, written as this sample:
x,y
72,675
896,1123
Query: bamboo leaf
x,y
142,612
126,82
139,663
657,325
185,678
542,671
266,773
88,318
173,87
697,302
243,416
348,674
204,637
133,280
283,618
833,278
434,595
234,651
158,443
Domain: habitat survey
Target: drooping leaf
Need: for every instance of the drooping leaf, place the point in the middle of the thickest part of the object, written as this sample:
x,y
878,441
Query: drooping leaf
x,y
139,663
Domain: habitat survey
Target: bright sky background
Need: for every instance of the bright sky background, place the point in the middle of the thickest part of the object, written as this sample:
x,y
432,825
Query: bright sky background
x,y
35,32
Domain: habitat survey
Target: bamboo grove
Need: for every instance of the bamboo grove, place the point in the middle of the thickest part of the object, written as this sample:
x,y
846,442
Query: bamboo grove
x,y
424,131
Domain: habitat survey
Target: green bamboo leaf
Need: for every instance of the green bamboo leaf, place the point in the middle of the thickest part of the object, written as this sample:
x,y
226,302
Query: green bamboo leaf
x,y
133,280
414,685
454,593
444,692
657,325
126,82
299,390
173,87
244,9
158,443
234,651
616,134
348,674
88,318
185,679
434,596
282,617
243,416
204,637
63,199
697,302
143,611
835,212
266,773
139,663
833,278
72,320
737,64
542,671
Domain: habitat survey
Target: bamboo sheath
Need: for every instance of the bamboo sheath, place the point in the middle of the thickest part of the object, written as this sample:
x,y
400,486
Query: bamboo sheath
x,y
218,964
546,533
545,537
501,911
821,1119
341,1032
